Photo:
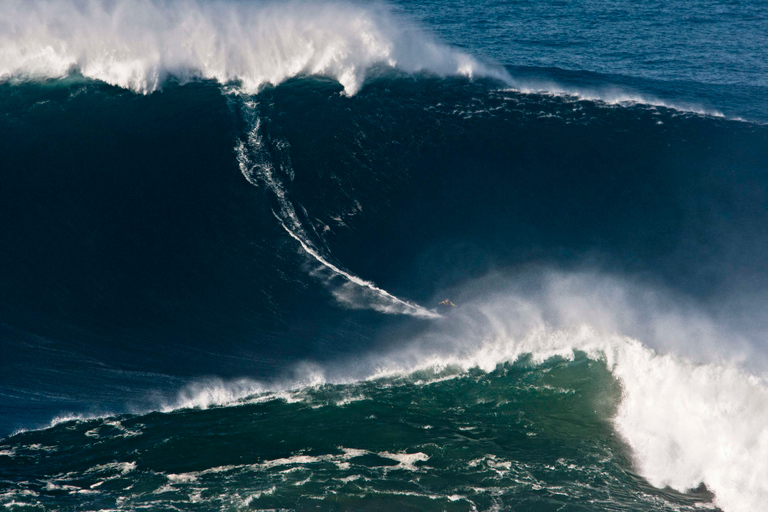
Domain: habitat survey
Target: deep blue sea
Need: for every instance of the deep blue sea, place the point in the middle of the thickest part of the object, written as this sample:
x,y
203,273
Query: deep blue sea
x,y
366,256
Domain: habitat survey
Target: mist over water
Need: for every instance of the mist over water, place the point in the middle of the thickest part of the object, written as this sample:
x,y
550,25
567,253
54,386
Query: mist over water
x,y
229,228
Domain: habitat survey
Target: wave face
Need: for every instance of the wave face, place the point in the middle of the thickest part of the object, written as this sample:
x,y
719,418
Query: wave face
x,y
304,255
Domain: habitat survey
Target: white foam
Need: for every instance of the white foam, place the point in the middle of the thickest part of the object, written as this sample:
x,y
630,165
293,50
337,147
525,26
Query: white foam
x,y
68,417
690,424
124,432
687,422
214,392
256,495
137,44
19,492
182,478
293,460
50,486
120,467
406,461
340,460
346,400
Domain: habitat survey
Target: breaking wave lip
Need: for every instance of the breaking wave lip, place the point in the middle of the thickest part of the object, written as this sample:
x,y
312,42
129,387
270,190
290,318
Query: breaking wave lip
x,y
138,44
66,418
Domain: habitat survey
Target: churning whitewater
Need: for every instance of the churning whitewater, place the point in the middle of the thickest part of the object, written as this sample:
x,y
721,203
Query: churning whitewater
x,y
138,45
297,255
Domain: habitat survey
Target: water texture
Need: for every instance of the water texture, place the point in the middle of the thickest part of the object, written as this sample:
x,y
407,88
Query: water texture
x,y
364,256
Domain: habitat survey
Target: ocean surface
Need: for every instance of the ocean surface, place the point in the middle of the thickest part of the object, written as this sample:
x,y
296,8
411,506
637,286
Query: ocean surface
x,y
366,256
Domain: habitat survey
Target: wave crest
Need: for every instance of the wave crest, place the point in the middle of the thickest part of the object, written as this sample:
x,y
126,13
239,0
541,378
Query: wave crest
x,y
139,44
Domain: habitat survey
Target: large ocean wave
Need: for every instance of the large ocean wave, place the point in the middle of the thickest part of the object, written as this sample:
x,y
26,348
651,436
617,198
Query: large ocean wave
x,y
209,205
138,45
687,423
249,45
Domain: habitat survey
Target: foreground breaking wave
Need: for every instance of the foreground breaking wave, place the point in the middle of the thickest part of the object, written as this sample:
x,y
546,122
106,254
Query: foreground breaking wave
x,y
493,408
526,421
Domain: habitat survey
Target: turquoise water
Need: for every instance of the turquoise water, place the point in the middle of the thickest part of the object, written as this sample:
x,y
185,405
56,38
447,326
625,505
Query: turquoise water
x,y
523,437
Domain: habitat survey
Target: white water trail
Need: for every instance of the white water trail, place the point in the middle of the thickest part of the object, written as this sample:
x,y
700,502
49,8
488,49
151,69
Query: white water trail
x,y
389,304
262,167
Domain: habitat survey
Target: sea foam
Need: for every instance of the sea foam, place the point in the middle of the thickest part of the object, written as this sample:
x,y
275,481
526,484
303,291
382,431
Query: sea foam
x,y
138,44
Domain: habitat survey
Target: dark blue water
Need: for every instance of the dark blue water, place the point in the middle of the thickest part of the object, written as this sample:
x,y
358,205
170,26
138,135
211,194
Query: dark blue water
x,y
227,228
708,53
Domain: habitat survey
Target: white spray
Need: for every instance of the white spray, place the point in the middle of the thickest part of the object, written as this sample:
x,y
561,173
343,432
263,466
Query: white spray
x,y
137,44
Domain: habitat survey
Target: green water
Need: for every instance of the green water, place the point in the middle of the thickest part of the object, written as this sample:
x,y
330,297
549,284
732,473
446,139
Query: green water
x,y
524,437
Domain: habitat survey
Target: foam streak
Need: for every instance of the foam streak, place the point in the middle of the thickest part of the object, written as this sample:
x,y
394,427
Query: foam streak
x,y
392,304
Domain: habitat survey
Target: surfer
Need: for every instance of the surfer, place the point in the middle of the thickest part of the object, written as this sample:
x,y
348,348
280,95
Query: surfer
x,y
446,303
